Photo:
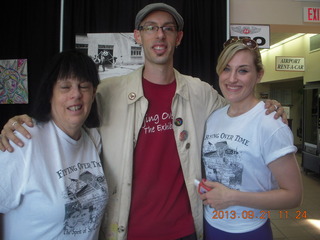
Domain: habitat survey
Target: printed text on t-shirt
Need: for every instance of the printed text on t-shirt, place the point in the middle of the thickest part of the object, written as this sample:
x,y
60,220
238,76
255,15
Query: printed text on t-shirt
x,y
157,122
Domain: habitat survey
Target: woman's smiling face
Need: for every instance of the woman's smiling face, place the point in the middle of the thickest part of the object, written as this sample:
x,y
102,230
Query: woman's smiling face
x,y
238,79
71,104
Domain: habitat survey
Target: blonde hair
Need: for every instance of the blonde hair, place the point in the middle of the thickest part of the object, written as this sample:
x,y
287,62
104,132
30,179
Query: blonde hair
x,y
230,50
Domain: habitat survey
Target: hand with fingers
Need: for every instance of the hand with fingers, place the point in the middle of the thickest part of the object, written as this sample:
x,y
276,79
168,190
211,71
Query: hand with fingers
x,y
7,133
275,106
218,197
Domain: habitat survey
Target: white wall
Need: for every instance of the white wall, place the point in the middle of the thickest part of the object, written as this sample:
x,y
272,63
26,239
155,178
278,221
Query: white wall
x,y
282,16
285,12
296,48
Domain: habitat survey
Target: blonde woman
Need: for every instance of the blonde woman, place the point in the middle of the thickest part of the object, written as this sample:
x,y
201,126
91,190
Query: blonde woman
x,y
249,157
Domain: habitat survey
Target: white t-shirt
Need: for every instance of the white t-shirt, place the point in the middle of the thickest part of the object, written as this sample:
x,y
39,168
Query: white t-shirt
x,y
236,152
54,187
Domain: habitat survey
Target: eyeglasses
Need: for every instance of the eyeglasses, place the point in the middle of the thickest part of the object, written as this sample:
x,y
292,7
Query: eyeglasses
x,y
245,41
154,29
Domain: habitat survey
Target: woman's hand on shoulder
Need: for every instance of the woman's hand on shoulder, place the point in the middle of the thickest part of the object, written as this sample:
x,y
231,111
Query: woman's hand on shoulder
x,y
7,133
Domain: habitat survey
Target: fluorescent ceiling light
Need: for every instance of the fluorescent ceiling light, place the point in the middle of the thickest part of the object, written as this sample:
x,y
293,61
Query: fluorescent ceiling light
x,y
283,42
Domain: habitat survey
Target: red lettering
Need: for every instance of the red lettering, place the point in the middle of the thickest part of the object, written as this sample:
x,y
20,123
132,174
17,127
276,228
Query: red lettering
x,y
309,14
316,14
313,14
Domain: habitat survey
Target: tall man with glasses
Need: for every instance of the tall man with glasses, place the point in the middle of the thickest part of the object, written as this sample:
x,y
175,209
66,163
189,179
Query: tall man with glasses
x,y
152,133
152,125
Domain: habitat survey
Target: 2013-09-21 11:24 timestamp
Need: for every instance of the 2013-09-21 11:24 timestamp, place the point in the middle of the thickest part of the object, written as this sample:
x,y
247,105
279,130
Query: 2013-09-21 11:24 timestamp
x,y
264,214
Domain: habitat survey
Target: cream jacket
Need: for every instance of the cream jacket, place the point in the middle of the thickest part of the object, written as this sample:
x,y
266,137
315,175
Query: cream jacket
x,y
122,106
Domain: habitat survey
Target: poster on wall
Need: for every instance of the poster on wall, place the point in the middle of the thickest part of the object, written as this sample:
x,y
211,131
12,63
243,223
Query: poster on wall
x,y
115,54
13,81
290,64
259,33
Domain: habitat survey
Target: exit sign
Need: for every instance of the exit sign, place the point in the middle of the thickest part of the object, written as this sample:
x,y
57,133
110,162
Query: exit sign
x,y
311,14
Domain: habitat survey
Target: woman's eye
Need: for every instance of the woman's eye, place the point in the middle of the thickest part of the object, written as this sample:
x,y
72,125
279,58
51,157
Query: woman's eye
x,y
84,86
243,70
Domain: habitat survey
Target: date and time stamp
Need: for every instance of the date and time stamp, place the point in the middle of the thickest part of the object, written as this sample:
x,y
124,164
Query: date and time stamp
x,y
263,214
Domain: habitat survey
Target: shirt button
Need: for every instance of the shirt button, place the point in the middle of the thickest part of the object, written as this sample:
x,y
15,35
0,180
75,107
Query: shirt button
x,y
132,96
188,145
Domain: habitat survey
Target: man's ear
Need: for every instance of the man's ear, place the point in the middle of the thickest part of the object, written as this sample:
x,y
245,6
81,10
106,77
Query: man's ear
x,y
137,36
179,38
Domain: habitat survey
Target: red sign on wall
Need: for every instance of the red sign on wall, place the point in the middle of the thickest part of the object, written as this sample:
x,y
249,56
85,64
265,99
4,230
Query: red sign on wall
x,y
311,14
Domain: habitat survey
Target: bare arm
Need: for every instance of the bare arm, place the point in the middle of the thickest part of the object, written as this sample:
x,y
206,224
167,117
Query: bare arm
x,y
8,129
289,194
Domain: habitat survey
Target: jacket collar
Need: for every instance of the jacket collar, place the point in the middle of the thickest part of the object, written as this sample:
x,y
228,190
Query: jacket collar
x,y
135,89
134,86
182,86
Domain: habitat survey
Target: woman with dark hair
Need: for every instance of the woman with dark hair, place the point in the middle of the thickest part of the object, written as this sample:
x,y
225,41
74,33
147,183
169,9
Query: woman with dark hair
x,y
66,65
59,171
